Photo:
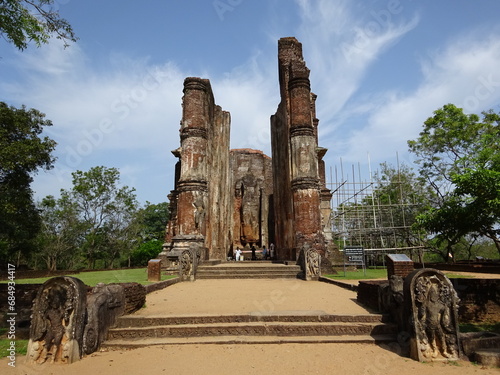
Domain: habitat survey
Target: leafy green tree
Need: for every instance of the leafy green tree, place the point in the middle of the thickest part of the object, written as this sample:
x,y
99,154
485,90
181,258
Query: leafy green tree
x,y
23,21
444,146
480,194
459,155
154,218
145,251
150,223
22,152
61,233
445,222
106,212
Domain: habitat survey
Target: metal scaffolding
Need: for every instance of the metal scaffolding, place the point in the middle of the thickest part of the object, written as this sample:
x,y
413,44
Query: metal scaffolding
x,y
361,218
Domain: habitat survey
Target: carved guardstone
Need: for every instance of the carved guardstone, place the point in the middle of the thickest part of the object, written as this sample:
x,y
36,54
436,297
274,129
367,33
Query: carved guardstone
x,y
311,263
59,314
431,304
188,262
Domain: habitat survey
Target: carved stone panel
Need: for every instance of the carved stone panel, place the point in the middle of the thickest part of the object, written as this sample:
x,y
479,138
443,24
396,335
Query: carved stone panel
x,y
432,306
188,262
312,262
59,314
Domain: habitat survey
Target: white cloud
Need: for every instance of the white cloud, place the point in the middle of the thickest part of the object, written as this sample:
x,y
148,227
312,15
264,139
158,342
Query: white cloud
x,y
465,74
251,94
103,117
341,41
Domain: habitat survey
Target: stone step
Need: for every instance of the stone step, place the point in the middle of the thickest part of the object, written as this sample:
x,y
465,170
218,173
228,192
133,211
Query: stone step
x,y
130,321
248,268
253,340
489,357
247,276
248,271
253,329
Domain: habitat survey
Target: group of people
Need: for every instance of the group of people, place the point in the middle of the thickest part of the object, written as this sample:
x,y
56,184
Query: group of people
x,y
267,254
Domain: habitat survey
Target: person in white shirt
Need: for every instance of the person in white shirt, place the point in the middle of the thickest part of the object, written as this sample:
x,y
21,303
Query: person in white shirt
x,y
237,255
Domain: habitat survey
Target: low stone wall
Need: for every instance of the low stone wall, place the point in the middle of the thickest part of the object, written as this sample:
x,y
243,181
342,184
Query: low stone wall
x,y
477,267
370,294
479,298
135,296
339,283
161,284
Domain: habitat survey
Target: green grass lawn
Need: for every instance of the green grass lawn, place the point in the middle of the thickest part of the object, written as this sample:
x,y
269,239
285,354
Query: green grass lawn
x,y
371,273
376,273
455,276
480,327
21,345
138,275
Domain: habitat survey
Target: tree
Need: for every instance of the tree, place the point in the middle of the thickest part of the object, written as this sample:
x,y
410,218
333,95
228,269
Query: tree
x,y
479,191
444,146
23,21
154,218
144,252
445,222
22,153
61,233
151,221
459,155
106,212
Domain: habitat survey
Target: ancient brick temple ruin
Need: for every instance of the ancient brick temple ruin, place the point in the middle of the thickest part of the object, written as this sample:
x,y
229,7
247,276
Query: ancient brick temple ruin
x,y
223,199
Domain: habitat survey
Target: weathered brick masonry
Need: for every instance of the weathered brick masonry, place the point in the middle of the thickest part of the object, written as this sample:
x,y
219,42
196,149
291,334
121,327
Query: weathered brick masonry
x,y
224,199
300,194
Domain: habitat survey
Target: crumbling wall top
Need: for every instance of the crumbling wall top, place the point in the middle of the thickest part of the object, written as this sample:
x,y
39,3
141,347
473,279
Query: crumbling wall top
x,y
248,151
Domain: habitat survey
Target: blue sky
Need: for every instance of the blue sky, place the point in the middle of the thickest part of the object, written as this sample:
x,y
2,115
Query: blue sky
x,y
379,68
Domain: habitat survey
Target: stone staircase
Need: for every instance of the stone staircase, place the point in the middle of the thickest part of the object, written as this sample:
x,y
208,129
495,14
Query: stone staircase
x,y
248,270
285,327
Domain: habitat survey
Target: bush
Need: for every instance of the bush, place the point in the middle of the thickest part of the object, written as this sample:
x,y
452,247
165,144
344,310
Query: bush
x,y
145,252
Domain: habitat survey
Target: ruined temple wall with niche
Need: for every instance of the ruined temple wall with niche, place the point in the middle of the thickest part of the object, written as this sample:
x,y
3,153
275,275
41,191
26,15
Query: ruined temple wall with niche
x,y
253,222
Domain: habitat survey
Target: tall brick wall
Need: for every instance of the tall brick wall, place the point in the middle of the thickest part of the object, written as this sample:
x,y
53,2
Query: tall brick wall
x,y
296,159
201,204
219,224
282,185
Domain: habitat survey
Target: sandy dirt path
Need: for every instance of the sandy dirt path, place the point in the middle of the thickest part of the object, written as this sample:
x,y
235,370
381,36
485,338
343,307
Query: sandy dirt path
x,y
245,296
290,359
